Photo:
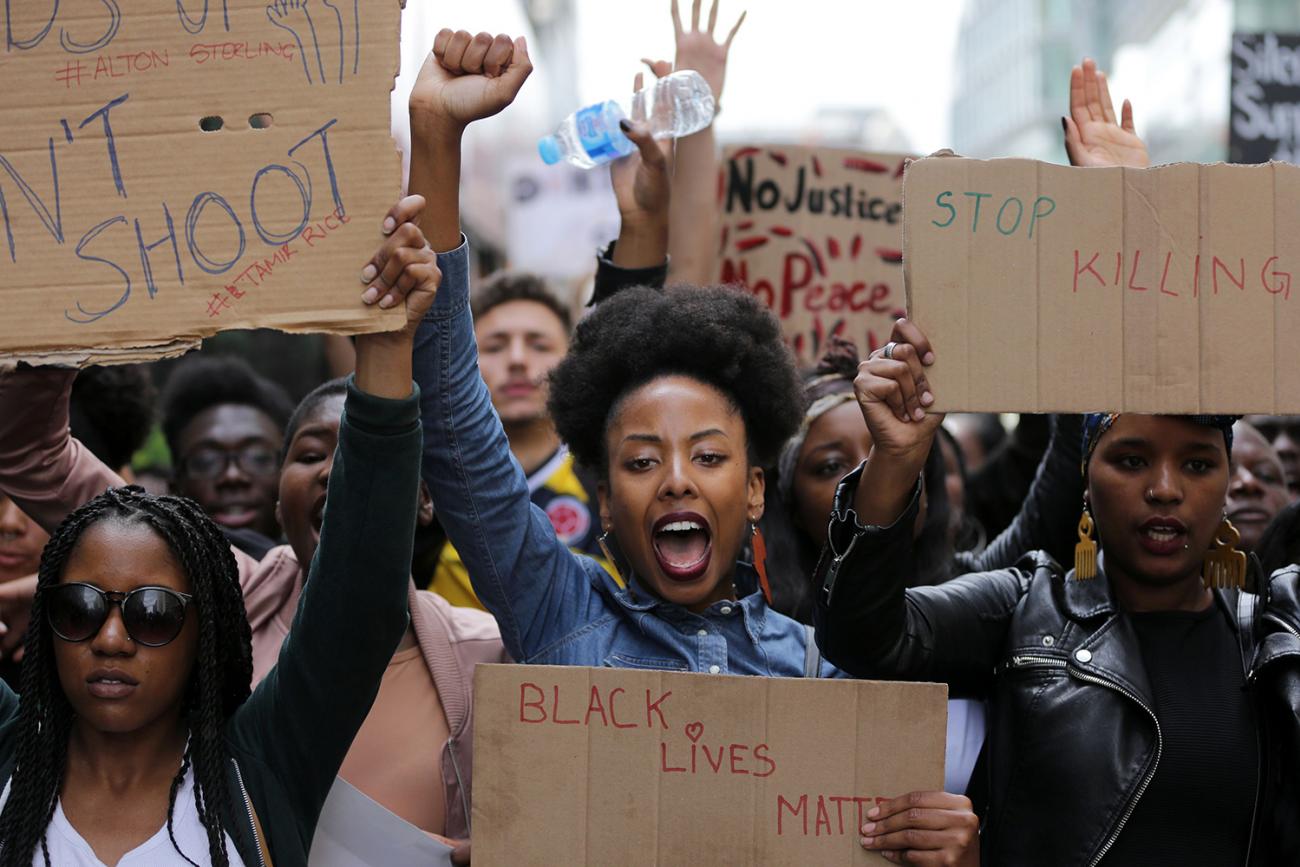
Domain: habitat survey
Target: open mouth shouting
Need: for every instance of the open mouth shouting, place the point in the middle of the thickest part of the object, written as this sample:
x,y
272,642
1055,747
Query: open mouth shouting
x,y
683,545
1163,535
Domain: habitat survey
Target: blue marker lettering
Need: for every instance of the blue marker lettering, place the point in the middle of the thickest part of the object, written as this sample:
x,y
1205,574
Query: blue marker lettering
x,y
33,41
108,138
114,23
146,249
201,202
84,316
271,238
53,223
323,133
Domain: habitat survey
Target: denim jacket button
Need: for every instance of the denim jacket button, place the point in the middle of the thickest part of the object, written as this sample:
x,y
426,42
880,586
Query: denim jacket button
x,y
726,609
703,633
713,669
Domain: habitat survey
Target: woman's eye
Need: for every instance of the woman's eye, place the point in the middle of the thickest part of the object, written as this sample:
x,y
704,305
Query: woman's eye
x,y
639,463
309,458
710,459
829,468
1132,462
1199,466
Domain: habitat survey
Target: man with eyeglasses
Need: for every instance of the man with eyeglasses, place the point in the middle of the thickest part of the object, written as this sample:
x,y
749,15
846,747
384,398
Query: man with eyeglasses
x,y
224,425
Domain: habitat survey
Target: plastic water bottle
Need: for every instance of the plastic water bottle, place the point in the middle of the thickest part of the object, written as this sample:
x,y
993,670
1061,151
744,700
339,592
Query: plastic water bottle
x,y
681,104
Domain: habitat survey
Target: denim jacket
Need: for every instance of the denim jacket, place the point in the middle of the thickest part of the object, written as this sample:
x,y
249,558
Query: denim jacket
x,y
554,606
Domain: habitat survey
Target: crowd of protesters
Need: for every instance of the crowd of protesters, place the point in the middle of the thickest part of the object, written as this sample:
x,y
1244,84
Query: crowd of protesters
x,y
303,598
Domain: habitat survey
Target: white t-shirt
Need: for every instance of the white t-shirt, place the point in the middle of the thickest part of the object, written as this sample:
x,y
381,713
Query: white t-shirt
x,y
966,727
68,849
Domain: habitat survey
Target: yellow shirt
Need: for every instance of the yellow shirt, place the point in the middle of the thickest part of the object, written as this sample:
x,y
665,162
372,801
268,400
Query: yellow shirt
x,y
557,490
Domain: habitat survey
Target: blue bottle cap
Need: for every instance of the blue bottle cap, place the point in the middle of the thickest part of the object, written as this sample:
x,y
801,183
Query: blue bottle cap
x,y
549,148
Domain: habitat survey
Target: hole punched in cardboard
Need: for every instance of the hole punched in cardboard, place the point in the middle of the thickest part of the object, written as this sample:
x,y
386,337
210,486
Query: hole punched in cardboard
x,y
261,120
211,123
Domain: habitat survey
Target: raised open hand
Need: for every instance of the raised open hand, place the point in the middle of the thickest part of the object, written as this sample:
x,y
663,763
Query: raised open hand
x,y
698,49
468,78
1093,134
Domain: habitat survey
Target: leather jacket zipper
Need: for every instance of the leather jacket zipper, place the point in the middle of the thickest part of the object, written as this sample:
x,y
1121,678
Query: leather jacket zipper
x,y
1280,622
248,805
1146,781
1029,661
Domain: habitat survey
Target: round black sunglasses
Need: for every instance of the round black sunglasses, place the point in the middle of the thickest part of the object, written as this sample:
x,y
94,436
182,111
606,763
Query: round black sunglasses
x,y
153,616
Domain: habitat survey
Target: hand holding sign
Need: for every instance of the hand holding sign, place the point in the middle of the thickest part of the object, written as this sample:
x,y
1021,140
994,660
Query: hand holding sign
x,y
404,268
468,78
925,828
1093,136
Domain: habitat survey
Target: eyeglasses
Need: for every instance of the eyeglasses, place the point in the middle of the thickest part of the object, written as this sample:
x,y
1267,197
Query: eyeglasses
x,y
209,463
153,616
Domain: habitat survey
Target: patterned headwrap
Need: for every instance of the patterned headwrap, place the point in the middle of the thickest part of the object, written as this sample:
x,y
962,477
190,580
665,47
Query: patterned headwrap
x,y
830,386
1097,423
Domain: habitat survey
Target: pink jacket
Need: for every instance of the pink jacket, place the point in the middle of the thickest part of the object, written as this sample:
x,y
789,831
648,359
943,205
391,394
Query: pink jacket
x,y
49,474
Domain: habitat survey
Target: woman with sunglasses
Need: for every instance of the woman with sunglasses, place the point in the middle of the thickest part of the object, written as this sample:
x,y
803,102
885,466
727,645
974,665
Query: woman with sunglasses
x,y
1151,695
136,740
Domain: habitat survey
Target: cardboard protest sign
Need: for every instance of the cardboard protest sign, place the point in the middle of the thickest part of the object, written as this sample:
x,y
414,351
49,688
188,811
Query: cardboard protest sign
x,y
171,168
633,767
1265,98
816,233
1048,288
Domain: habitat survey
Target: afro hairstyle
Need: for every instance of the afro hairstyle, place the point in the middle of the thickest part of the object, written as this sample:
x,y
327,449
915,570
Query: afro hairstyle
x,y
112,411
204,381
719,336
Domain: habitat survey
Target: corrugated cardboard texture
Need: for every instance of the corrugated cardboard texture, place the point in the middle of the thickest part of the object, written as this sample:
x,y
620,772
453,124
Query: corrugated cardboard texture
x,y
127,231
1047,288
617,766
816,233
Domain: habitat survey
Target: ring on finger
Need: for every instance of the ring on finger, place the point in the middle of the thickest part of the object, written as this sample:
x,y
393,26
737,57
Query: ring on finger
x,y
889,350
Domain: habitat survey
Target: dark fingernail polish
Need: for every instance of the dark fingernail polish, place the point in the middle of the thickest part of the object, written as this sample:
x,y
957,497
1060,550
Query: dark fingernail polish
x,y
1065,127
625,126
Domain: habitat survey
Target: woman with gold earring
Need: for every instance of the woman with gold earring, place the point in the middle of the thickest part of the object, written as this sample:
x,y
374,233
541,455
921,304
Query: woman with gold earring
x,y
1145,706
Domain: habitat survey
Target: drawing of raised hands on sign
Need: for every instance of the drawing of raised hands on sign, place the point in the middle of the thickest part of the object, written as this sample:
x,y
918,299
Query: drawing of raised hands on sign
x,y
326,33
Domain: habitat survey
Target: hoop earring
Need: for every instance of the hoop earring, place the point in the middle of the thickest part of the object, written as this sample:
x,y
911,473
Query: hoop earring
x,y
1224,566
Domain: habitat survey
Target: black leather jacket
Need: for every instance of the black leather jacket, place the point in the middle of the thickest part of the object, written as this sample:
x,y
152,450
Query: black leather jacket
x,y
1073,739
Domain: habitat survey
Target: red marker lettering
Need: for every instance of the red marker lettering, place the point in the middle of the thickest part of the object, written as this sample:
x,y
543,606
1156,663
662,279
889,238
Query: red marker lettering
x,y
652,707
1086,268
536,705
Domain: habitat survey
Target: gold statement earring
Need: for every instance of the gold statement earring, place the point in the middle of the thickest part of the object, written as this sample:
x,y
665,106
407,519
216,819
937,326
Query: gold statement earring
x,y
1085,553
1225,566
